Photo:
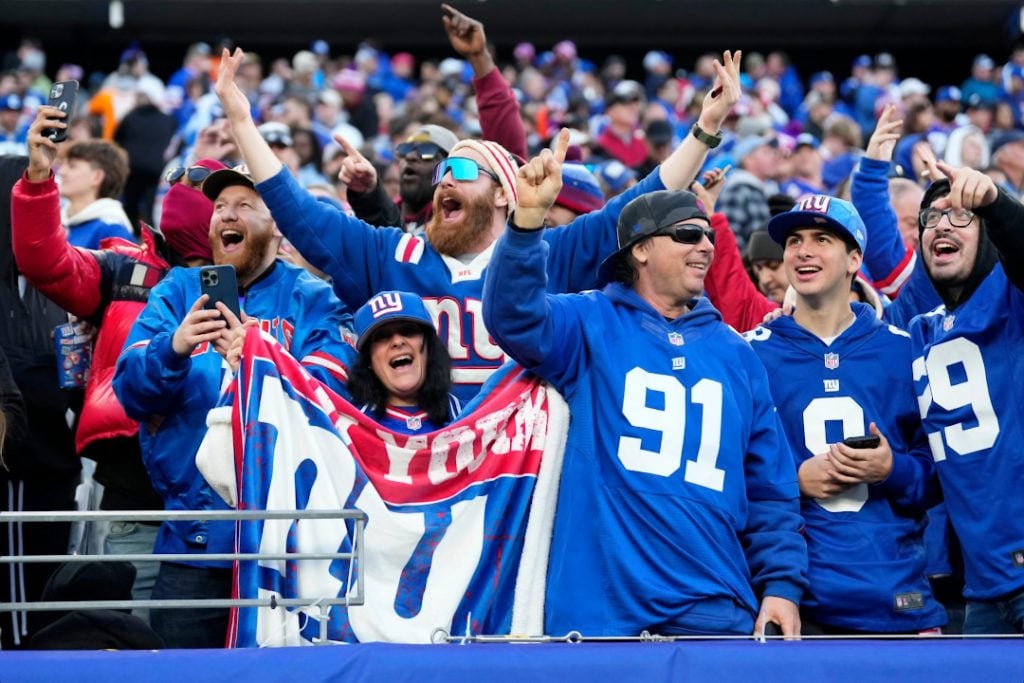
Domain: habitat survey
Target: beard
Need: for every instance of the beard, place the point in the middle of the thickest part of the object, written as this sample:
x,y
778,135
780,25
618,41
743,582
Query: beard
x,y
248,261
460,237
417,192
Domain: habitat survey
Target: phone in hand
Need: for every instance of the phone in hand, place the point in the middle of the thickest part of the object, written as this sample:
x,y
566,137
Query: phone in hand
x,y
222,285
62,96
867,441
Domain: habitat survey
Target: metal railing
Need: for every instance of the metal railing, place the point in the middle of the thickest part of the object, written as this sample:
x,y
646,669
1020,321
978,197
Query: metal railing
x,y
355,558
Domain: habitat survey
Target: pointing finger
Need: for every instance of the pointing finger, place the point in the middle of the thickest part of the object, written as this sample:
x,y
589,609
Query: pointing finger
x,y
563,145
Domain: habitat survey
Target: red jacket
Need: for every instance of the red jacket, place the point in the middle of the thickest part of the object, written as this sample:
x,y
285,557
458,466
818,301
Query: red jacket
x,y
727,284
108,287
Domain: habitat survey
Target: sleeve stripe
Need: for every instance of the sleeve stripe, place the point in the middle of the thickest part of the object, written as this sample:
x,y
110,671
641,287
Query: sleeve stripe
x,y
138,344
892,283
328,362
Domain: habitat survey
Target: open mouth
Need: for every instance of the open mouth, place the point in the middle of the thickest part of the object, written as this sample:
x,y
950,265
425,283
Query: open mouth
x,y
807,272
944,249
401,361
699,265
231,239
451,208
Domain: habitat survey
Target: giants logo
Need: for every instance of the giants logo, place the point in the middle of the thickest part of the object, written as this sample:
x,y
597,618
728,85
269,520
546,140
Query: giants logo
x,y
817,202
461,325
383,304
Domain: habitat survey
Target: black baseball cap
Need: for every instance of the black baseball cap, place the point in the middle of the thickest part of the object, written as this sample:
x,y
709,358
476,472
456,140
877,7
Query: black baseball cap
x,y
646,215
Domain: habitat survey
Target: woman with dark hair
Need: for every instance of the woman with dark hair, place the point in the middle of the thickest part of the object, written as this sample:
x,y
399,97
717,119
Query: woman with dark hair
x,y
402,376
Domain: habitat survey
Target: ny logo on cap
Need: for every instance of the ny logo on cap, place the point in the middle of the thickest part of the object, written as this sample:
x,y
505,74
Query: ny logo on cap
x,y
818,202
388,302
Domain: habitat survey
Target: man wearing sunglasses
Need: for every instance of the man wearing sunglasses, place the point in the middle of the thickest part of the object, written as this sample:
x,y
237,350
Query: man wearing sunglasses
x,y
836,371
968,371
472,200
677,509
417,157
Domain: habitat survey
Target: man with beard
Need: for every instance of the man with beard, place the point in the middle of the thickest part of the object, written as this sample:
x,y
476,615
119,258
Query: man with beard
x,y
423,150
969,378
172,370
475,193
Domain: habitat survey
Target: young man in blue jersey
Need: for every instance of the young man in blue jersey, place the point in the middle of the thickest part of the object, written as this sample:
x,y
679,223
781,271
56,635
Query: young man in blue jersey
x,y
678,508
836,372
476,190
969,376
171,373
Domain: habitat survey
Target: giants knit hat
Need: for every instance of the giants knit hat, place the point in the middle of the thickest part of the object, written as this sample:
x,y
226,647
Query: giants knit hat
x,y
499,160
185,218
646,215
581,192
389,307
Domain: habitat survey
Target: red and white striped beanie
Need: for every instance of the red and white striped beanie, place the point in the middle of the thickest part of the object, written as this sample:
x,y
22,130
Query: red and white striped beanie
x,y
500,161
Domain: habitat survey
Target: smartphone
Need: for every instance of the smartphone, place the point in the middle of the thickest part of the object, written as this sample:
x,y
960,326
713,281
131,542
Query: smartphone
x,y
868,441
62,96
222,285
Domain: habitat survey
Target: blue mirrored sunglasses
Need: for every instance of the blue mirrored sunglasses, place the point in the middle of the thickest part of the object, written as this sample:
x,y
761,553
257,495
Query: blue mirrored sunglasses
x,y
462,169
687,233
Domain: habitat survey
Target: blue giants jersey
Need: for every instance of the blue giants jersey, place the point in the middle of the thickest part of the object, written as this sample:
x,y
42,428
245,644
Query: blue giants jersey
x,y
363,260
678,499
866,553
970,384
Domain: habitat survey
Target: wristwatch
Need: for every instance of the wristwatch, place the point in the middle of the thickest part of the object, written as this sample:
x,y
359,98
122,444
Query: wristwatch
x,y
711,141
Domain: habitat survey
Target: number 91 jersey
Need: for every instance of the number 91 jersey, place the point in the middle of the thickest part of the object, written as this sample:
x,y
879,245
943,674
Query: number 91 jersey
x,y
969,376
866,554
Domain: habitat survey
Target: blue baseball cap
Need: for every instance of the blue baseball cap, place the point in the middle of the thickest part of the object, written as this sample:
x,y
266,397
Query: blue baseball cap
x,y
10,102
387,307
821,211
861,61
948,93
821,76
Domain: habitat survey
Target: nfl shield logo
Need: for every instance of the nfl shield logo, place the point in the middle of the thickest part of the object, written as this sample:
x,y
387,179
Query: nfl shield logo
x,y
947,323
413,422
675,339
831,361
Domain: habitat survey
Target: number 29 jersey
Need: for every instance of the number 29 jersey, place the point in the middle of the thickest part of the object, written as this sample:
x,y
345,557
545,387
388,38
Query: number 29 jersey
x,y
865,548
969,376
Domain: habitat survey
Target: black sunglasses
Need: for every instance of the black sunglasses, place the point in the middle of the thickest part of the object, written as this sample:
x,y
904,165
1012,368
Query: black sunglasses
x,y
196,174
687,233
426,150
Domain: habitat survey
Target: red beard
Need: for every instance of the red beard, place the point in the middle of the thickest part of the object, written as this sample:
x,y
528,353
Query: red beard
x,y
249,259
462,236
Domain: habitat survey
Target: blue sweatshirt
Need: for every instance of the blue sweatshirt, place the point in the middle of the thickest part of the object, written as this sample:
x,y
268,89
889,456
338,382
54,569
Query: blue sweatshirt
x,y
678,503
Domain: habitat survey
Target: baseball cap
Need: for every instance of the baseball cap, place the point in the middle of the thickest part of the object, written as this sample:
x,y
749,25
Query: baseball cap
x,y
863,61
10,102
821,211
983,61
625,91
387,307
884,60
761,247
806,140
615,175
659,132
947,93
822,77
218,180
1007,138
276,133
580,190
913,86
746,146
646,215
439,135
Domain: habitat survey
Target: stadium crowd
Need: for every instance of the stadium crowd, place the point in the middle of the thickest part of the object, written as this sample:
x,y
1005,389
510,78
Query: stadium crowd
x,y
864,231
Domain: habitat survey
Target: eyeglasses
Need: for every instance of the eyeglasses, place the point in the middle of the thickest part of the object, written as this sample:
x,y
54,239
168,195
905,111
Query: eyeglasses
x,y
687,233
426,150
196,174
929,218
463,170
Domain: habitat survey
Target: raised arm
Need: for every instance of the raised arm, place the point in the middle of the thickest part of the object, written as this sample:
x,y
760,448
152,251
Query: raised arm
x,y
260,159
887,259
495,101
68,276
517,310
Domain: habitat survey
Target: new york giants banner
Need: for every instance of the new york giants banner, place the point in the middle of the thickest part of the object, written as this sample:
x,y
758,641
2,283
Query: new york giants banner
x,y
458,521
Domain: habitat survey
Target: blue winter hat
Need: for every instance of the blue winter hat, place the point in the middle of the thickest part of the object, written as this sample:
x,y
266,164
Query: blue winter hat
x,y
387,307
821,211
581,193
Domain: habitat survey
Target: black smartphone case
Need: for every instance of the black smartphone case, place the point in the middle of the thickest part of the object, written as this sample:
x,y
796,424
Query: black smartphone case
x,y
62,96
220,283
